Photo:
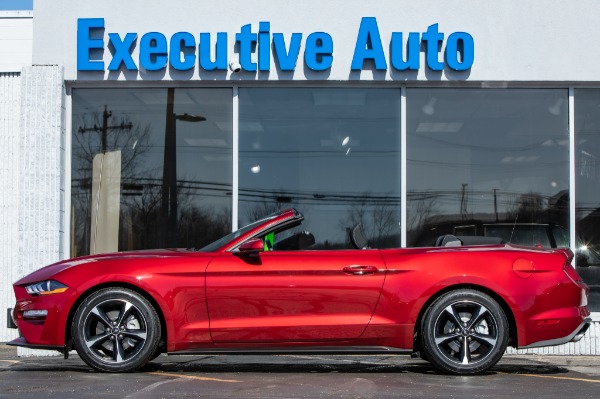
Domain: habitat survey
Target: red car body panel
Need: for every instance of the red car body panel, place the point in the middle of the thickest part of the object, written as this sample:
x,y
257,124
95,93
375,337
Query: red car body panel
x,y
415,275
292,296
307,298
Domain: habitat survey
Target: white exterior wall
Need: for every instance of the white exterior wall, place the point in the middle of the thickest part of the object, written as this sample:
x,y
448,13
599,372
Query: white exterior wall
x,y
16,37
10,107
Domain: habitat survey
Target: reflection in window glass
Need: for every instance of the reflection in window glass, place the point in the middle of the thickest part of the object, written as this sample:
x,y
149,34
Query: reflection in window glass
x,y
587,160
561,236
480,156
334,154
531,235
151,168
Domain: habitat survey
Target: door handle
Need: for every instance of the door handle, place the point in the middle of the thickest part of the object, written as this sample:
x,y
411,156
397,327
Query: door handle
x,y
360,270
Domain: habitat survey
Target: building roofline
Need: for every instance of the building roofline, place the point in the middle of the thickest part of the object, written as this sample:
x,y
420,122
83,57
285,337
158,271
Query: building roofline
x,y
16,14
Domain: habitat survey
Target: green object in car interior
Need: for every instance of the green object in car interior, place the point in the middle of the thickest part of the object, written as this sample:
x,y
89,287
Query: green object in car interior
x,y
269,239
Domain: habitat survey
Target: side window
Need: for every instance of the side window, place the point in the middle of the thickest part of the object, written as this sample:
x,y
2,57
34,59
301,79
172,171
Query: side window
x,y
269,240
560,236
295,242
291,239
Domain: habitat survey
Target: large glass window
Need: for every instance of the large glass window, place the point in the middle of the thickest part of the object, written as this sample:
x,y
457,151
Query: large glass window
x,y
488,162
330,153
587,160
151,168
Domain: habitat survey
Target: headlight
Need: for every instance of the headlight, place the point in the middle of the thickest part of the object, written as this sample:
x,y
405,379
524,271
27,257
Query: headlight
x,y
45,288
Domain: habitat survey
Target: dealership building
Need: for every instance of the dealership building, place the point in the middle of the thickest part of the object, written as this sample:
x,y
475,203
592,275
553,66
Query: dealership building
x,y
147,124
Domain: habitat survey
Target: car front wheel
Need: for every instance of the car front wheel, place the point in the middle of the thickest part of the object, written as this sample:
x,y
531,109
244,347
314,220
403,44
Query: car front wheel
x,y
116,330
464,332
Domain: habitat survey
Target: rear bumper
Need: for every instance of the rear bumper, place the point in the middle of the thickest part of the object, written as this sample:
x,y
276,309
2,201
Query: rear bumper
x,y
575,336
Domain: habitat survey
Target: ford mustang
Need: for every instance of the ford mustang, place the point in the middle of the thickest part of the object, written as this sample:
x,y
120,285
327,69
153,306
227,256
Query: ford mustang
x,y
266,289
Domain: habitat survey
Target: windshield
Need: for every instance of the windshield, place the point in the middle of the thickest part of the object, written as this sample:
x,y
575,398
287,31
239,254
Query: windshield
x,y
232,236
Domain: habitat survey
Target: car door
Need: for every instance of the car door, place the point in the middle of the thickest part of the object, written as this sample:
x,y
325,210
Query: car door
x,y
293,295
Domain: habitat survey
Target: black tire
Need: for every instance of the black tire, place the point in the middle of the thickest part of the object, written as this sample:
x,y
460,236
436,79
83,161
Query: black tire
x,y
116,330
464,332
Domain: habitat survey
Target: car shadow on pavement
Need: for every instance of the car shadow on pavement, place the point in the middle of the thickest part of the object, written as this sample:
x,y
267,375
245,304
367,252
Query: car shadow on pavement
x,y
537,369
212,365
277,364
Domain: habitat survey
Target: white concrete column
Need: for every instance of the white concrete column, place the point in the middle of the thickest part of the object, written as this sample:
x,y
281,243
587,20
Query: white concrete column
x,y
41,171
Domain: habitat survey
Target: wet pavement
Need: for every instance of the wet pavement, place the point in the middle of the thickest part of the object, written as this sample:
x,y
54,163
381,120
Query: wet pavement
x,y
297,376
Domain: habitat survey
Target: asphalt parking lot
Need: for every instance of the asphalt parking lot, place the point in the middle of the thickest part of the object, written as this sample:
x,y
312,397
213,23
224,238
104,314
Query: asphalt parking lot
x,y
297,376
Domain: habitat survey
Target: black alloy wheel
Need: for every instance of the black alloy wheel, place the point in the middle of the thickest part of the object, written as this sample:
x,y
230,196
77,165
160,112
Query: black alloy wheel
x,y
116,330
464,332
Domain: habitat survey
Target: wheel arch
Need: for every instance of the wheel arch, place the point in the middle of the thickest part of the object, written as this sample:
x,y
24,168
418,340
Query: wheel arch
x,y
114,284
512,334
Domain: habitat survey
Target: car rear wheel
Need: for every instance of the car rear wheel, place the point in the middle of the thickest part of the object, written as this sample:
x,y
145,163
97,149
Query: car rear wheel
x,y
464,332
116,330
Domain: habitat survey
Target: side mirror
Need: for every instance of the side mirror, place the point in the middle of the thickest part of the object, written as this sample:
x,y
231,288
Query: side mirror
x,y
251,247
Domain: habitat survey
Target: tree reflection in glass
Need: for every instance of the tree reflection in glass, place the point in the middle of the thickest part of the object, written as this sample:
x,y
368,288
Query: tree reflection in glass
x,y
202,165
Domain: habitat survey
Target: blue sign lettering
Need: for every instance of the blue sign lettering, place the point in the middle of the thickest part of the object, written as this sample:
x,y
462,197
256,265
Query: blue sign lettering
x,y
460,43
122,51
85,43
319,51
433,42
287,59
264,46
220,62
183,52
153,51
183,44
413,60
246,40
369,47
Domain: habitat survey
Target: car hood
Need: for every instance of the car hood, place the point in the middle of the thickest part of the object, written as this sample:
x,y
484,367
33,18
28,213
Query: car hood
x,y
49,271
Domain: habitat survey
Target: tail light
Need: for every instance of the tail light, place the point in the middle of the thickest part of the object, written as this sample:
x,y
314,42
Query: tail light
x,y
568,268
572,273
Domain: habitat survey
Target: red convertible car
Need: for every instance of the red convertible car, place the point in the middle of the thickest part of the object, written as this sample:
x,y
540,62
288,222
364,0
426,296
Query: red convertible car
x,y
262,289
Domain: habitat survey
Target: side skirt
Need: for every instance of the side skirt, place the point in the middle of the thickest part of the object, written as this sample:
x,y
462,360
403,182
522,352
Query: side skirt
x,y
307,350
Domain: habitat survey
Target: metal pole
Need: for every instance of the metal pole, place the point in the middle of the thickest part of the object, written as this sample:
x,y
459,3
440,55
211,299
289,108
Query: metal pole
x,y
495,205
105,115
169,185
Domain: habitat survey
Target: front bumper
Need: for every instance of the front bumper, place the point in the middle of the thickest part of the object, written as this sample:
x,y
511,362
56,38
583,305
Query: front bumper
x,y
41,320
22,342
575,336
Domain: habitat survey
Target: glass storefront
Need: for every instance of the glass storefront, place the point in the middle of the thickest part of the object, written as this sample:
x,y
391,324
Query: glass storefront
x,y
488,162
334,154
153,167
587,182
